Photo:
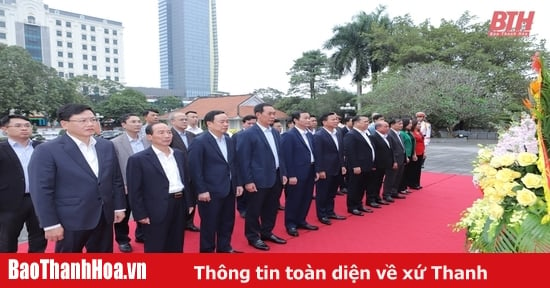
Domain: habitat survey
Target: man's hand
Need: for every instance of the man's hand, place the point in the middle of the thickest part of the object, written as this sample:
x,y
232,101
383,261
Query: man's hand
x,y
55,234
119,216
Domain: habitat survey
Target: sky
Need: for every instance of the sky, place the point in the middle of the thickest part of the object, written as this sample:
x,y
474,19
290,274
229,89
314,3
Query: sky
x,y
259,40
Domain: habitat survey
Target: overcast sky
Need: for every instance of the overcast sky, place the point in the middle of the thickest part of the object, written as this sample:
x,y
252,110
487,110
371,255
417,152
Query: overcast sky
x,y
260,39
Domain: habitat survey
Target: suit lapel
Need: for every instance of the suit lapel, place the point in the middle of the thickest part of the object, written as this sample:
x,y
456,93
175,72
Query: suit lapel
x,y
74,153
215,146
13,157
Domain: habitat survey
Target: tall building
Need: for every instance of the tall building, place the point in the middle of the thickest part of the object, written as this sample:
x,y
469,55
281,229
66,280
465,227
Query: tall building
x,y
72,43
188,47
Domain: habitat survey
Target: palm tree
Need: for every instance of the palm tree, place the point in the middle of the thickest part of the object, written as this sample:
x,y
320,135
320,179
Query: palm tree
x,y
357,49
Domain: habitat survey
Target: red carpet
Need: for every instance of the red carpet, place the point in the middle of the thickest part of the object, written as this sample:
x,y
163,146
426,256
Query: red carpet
x,y
420,223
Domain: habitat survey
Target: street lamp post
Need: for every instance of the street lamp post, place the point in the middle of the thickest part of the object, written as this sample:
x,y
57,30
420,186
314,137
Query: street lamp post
x,y
347,109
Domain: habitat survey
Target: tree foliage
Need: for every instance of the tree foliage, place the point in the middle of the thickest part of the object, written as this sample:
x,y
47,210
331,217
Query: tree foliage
x,y
97,90
268,95
168,104
310,75
122,102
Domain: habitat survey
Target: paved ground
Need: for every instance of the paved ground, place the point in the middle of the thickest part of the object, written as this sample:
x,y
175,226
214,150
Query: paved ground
x,y
445,155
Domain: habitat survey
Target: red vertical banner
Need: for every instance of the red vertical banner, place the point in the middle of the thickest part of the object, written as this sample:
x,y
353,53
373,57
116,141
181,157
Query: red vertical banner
x,y
257,270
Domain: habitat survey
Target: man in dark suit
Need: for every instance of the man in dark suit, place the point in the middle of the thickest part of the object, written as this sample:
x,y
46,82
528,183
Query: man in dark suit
x,y
159,190
398,148
127,144
76,185
181,139
329,165
247,122
359,154
16,207
262,170
383,163
215,181
297,144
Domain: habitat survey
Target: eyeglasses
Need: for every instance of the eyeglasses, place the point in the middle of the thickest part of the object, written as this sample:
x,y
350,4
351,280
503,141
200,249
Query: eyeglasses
x,y
84,121
20,125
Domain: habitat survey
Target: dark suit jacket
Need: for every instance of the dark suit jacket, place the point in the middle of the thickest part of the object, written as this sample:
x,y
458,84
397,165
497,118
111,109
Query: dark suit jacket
x,y
211,172
256,161
328,158
123,150
397,146
383,154
177,142
66,191
296,154
357,151
148,186
12,179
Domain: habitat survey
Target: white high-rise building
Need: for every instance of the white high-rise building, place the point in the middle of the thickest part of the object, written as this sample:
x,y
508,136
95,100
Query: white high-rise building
x,y
74,44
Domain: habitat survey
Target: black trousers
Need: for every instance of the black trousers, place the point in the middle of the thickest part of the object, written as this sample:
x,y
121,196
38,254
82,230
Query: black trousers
x,y
11,224
97,240
261,212
167,236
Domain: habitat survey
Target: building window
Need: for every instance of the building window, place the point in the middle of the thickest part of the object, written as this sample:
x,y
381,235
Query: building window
x,y
94,67
84,37
106,31
92,38
115,42
107,50
59,33
115,32
108,69
116,69
60,53
2,13
59,44
60,74
71,65
116,78
92,28
115,60
2,24
107,59
69,35
108,77
31,20
58,22
94,76
84,47
85,66
60,64
94,58
85,57
70,55
71,75
2,35
106,40
68,24
93,47
115,51
83,26
69,44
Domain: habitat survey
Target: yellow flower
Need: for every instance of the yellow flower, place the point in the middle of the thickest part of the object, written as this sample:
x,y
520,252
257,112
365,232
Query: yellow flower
x,y
526,159
507,175
495,211
503,160
532,180
526,197
485,154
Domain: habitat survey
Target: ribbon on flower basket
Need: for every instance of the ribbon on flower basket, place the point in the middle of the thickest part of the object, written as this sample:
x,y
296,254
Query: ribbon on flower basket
x,y
540,91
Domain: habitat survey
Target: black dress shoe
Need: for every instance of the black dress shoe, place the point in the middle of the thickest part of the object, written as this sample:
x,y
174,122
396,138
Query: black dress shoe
x,y
416,187
389,199
364,209
274,239
404,192
356,212
325,221
382,202
281,207
340,193
292,232
398,196
259,244
337,217
232,251
374,205
308,226
193,228
125,247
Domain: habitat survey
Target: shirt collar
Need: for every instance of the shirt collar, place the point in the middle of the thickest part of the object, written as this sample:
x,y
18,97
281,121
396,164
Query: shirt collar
x,y
158,152
78,142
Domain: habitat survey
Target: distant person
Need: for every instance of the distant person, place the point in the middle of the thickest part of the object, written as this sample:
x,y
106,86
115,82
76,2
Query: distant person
x,y
16,207
277,125
160,192
182,139
425,127
216,183
150,116
262,171
76,185
193,122
127,144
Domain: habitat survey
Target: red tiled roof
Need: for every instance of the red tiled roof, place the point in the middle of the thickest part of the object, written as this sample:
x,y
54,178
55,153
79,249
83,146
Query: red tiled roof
x,y
231,105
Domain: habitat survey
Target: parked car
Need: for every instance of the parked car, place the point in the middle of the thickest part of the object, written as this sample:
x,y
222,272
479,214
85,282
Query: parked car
x,y
110,134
